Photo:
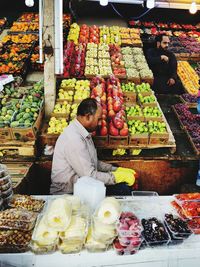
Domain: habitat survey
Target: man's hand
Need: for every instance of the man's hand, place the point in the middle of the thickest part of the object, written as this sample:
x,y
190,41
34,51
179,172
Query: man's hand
x,y
171,82
164,58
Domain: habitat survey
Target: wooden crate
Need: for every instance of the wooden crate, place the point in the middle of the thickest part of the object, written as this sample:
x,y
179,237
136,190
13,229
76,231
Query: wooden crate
x,y
140,118
190,105
153,104
134,80
139,139
47,139
5,133
118,140
18,148
158,138
160,119
100,141
28,133
129,97
60,115
147,80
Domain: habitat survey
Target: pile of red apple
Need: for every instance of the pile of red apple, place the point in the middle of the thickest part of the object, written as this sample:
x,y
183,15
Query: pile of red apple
x,y
98,91
78,61
68,54
117,61
116,113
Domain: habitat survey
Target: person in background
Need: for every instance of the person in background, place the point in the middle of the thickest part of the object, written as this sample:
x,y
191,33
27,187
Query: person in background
x,y
75,156
163,64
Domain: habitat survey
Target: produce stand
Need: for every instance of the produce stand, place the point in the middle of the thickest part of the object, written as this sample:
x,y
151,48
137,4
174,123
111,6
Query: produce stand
x,y
181,255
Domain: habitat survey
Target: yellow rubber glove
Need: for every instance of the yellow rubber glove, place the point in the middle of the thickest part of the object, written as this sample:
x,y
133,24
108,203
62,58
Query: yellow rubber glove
x,y
126,170
124,177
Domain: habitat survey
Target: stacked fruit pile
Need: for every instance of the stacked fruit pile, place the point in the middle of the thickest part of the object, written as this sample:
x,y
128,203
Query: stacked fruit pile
x,y
116,113
97,60
77,65
130,37
190,122
25,27
117,61
74,33
189,77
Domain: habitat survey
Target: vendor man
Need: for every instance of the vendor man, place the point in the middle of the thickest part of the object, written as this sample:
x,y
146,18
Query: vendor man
x,y
163,64
75,155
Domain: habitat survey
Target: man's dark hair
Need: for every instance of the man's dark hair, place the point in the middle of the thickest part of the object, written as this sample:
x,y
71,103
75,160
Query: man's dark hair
x,y
87,106
159,37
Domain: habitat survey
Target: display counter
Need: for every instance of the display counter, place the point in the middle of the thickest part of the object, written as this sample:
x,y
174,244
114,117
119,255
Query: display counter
x,y
183,255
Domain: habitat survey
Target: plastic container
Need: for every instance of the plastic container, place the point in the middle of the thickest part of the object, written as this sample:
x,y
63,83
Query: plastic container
x,y
144,193
124,250
46,243
7,193
17,219
14,241
95,246
129,225
70,247
180,198
154,232
103,233
4,179
27,202
194,225
176,226
90,191
6,186
191,209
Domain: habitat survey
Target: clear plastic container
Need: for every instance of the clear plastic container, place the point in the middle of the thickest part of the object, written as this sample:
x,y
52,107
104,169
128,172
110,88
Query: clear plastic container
x,y
134,241
6,186
194,225
4,179
124,250
17,219
154,232
27,202
14,241
95,246
104,233
7,193
181,198
177,228
128,225
43,239
70,247
144,193
191,209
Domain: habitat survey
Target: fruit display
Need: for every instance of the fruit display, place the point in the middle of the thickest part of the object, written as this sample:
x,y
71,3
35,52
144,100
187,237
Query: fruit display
x,y
134,111
62,108
104,35
152,112
56,125
7,111
74,33
194,225
137,127
119,152
84,34
190,99
117,61
190,122
20,38
27,202
94,34
128,87
77,65
189,77
115,37
73,113
98,91
147,100
154,232
12,89
156,127
27,17
65,95
144,89
68,55
116,113
25,27
97,60
35,66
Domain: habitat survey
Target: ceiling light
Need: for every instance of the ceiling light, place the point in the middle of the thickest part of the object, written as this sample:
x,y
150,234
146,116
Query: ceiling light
x,y
29,3
150,3
103,2
193,8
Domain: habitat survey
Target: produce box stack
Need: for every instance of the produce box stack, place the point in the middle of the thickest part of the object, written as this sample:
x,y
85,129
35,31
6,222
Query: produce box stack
x,y
190,123
118,129
97,60
189,77
98,91
187,206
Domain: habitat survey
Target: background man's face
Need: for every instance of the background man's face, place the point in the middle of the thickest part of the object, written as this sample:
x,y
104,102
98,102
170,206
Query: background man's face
x,y
165,43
